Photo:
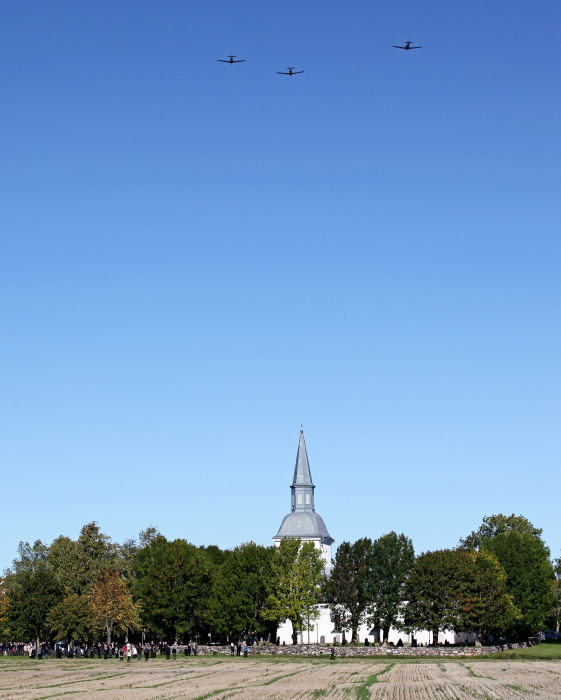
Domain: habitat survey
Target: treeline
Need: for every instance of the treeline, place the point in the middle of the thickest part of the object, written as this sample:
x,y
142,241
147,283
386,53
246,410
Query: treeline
x,y
499,580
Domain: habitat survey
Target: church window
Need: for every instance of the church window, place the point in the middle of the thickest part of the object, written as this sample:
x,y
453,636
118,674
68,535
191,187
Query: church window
x,y
299,499
308,499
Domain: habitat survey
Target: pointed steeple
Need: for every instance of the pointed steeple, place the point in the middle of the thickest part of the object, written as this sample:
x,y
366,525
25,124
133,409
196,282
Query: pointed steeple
x,y
302,474
302,486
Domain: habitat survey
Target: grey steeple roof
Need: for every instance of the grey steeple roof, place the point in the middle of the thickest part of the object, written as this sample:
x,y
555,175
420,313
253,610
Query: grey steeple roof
x,y
305,525
302,474
303,521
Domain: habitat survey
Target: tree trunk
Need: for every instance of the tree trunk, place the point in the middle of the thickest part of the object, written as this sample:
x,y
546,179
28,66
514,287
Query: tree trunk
x,y
435,637
386,632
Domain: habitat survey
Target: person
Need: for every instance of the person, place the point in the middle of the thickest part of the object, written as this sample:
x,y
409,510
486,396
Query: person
x,y
231,648
332,657
245,649
174,652
239,648
146,652
129,652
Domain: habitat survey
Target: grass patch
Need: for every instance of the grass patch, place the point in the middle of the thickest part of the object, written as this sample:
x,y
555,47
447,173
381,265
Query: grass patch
x,y
541,652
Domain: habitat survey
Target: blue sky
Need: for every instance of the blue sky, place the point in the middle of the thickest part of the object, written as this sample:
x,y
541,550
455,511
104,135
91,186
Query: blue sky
x,y
196,258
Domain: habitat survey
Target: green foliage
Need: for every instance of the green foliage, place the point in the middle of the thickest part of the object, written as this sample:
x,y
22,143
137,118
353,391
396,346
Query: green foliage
x,y
433,590
494,525
30,557
393,558
172,585
460,590
348,590
529,576
488,607
72,618
239,592
294,584
31,595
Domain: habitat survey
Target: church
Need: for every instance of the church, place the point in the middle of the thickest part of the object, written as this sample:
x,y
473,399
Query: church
x,y
305,524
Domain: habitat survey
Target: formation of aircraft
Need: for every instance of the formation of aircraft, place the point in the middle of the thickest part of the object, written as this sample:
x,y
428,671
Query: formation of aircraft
x,y
290,70
407,46
231,60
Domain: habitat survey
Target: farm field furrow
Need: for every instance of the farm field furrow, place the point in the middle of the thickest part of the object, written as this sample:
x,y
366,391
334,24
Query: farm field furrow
x,y
201,678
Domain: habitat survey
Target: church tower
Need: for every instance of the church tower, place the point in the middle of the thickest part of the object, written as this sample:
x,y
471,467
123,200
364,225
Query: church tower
x,y
303,522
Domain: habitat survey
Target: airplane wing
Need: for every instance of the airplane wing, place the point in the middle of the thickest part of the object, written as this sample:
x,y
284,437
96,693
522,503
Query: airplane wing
x,y
221,60
399,47
279,72
415,47
294,72
241,60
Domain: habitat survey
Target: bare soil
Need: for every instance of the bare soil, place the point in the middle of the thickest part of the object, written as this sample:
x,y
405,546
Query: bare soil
x,y
203,677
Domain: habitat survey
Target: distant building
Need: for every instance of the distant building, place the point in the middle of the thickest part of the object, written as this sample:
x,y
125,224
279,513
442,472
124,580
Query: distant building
x,y
303,522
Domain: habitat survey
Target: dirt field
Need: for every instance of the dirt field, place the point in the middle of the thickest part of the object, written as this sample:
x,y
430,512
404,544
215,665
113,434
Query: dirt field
x,y
267,678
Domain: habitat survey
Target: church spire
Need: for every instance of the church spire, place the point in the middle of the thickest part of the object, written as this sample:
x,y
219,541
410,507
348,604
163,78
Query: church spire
x,y
302,487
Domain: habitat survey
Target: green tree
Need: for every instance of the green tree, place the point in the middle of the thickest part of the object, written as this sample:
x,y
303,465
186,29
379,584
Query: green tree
x,y
30,557
239,592
294,584
348,590
486,606
556,594
393,558
31,595
172,584
434,591
494,525
72,618
529,577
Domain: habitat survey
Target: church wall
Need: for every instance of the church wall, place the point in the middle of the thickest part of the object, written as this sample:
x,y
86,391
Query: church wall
x,y
322,632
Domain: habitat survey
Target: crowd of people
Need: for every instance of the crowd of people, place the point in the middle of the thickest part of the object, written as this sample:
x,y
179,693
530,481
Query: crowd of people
x,y
78,650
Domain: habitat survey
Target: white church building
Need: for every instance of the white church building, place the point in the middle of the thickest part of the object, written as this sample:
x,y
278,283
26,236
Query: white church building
x,y
305,524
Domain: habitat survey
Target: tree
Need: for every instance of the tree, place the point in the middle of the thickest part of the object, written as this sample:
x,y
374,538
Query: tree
x,y
459,590
518,546
556,593
31,595
294,584
172,585
434,590
72,618
113,609
486,606
239,592
30,557
393,558
529,577
348,589
494,525
3,612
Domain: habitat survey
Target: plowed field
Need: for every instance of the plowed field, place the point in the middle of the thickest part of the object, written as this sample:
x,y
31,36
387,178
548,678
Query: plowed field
x,y
206,677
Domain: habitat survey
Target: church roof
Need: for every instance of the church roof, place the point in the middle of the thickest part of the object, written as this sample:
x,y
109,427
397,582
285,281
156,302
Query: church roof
x,y
302,474
303,524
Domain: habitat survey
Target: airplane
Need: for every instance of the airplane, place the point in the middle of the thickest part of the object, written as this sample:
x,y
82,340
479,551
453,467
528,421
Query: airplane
x,y
407,46
231,60
290,70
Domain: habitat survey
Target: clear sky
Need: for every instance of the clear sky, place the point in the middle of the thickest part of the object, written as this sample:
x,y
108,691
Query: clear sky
x,y
196,258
